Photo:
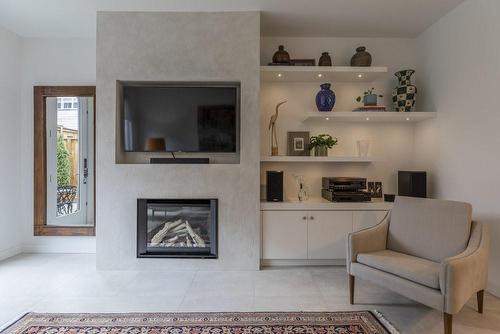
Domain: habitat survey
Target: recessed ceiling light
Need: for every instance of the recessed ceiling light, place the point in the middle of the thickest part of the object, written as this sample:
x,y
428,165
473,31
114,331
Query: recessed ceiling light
x,y
279,75
327,118
407,118
368,118
360,75
320,75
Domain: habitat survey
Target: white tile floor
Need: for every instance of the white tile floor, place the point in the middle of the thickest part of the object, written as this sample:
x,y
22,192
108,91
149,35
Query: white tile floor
x,y
70,283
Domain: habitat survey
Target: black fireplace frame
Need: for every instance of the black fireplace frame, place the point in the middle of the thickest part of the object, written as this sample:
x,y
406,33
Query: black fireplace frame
x,y
208,253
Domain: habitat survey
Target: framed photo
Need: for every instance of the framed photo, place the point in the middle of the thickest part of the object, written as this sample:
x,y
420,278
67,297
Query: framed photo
x,y
375,189
298,142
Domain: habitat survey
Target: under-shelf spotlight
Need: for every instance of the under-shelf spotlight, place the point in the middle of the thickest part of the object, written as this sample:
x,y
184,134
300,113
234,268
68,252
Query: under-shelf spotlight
x,y
279,75
320,75
407,118
328,118
368,118
360,75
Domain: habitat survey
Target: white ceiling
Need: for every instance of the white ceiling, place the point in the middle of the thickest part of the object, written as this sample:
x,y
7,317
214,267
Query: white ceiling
x,y
339,18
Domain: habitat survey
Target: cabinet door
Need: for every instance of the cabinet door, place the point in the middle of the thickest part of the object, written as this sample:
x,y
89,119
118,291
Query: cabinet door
x,y
366,219
284,235
327,231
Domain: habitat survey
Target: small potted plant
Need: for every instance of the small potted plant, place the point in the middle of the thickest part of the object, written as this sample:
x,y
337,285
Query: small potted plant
x,y
321,143
369,97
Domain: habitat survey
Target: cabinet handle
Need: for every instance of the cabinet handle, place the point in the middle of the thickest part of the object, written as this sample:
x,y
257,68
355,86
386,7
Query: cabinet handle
x,y
304,218
311,218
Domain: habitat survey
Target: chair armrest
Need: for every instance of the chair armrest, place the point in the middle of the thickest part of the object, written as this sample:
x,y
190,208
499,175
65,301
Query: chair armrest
x,y
368,240
467,273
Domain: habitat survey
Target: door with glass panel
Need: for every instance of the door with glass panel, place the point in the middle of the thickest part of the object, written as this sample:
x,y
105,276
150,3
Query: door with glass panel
x,y
69,122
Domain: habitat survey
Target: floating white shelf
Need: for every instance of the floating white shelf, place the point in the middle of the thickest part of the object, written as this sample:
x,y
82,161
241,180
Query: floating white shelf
x,y
321,73
283,158
323,204
375,116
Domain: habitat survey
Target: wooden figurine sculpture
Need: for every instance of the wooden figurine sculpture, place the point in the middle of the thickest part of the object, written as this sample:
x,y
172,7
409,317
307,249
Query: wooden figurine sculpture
x,y
272,127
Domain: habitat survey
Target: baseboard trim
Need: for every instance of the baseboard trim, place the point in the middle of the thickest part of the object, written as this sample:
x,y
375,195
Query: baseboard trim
x,y
301,263
77,247
9,252
493,288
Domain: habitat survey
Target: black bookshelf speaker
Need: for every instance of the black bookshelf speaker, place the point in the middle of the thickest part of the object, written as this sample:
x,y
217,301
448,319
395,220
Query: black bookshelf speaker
x,y
274,186
412,184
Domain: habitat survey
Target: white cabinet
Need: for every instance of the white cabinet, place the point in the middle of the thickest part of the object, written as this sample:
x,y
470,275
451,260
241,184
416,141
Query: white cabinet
x,y
313,234
326,234
366,219
284,235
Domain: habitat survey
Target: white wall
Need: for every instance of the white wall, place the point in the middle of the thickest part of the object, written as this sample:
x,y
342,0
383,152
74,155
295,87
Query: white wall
x,y
459,63
48,62
391,145
11,203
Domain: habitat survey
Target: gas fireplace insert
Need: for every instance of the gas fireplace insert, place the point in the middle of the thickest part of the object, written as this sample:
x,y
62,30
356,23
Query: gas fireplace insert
x,y
177,228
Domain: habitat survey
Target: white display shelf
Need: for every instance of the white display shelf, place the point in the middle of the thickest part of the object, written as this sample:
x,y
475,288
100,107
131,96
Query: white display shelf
x,y
282,158
321,73
323,204
374,116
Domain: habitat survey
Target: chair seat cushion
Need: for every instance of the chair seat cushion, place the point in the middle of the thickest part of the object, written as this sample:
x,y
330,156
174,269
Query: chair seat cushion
x,y
412,268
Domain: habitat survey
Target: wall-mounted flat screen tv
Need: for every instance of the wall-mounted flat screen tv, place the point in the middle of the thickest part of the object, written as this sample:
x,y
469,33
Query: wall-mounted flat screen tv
x,y
180,117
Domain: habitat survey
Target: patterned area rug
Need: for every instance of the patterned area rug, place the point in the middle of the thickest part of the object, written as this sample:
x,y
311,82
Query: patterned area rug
x,y
355,322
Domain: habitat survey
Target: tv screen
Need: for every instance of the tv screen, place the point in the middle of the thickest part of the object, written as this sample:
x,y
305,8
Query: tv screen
x,y
180,117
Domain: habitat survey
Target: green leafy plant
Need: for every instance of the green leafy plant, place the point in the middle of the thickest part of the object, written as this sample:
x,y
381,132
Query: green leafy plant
x,y
368,92
63,163
322,140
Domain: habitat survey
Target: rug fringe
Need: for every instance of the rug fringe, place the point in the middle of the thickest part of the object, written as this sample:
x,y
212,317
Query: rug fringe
x,y
387,324
10,323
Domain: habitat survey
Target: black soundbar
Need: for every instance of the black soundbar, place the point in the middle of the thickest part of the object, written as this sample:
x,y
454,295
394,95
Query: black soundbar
x,y
173,161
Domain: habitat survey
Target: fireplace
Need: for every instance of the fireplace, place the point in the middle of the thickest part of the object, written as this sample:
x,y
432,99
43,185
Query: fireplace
x,y
177,228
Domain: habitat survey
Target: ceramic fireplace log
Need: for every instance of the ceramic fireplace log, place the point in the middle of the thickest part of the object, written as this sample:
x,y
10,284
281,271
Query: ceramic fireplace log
x,y
193,242
177,234
179,227
173,239
199,241
158,237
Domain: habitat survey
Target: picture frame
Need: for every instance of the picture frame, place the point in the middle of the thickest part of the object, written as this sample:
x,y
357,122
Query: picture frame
x,y
298,142
375,189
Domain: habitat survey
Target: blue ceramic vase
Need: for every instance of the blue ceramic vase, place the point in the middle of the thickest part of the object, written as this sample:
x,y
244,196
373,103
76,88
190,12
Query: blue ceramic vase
x,y
325,99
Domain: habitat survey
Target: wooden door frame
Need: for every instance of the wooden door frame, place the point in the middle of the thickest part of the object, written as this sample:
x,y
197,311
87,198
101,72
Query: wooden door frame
x,y
40,227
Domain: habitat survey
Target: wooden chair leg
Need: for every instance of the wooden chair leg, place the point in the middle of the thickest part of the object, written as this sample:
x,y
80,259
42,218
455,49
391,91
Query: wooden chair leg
x,y
480,301
351,289
448,321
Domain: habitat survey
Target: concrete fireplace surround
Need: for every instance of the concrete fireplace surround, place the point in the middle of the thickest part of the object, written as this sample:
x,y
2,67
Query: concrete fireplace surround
x,y
140,46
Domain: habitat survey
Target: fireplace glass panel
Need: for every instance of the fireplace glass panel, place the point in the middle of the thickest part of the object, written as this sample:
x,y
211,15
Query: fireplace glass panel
x,y
177,228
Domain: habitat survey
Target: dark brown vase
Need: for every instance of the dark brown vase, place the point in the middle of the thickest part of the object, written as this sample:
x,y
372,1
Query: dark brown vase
x,y
281,56
325,59
361,58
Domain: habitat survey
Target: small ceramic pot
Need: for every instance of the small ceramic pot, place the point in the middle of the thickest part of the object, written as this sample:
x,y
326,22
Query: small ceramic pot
x,y
361,58
281,56
325,59
370,100
321,151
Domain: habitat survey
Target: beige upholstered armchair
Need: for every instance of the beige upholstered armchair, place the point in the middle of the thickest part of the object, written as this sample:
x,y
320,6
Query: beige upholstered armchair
x,y
427,250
